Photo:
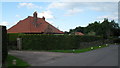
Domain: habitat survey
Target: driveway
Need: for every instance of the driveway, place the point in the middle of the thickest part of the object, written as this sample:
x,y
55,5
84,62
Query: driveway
x,y
107,56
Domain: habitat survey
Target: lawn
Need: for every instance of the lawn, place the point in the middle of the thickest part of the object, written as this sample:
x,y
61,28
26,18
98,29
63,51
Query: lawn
x,y
19,62
78,50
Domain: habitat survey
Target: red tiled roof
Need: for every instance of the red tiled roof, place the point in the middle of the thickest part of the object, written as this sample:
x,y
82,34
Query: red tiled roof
x,y
78,33
27,26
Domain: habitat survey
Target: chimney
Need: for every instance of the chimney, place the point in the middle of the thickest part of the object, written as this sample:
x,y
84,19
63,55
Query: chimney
x,y
43,18
35,14
35,18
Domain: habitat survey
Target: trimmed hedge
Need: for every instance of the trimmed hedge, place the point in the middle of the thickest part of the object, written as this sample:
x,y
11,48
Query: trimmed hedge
x,y
13,36
54,42
12,39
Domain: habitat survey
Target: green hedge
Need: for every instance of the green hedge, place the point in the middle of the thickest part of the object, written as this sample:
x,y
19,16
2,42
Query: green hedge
x,y
12,40
13,36
54,42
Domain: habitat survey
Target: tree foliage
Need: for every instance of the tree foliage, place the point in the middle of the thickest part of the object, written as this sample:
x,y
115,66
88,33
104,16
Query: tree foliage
x,y
105,29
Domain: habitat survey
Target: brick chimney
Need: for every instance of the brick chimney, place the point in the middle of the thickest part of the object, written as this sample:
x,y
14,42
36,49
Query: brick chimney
x,y
35,18
35,14
43,18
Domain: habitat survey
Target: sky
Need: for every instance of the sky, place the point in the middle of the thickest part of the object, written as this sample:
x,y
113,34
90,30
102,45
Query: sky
x,y
63,15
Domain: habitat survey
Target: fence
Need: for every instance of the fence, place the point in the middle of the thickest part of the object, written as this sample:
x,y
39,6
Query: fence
x,y
3,34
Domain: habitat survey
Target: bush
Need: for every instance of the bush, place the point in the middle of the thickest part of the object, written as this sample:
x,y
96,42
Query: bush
x,y
54,42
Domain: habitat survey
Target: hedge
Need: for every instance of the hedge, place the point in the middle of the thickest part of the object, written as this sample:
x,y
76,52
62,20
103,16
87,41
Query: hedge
x,y
13,36
54,42
12,39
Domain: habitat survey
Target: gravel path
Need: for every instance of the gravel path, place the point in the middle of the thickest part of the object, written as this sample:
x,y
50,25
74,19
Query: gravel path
x,y
107,56
36,58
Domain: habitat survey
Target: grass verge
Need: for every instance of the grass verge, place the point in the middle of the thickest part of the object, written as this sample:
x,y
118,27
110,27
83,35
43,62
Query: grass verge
x,y
19,63
78,50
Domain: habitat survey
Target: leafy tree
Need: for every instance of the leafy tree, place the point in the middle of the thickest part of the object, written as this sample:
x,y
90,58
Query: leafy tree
x,y
66,32
77,29
105,29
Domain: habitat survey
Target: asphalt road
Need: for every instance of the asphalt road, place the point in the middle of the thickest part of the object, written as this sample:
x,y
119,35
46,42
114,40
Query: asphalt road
x,y
107,56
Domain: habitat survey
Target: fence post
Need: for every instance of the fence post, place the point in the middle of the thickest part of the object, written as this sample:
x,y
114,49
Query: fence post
x,y
0,46
3,45
19,43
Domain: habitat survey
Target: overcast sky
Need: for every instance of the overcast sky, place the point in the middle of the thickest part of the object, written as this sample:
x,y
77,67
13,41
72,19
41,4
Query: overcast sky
x,y
63,15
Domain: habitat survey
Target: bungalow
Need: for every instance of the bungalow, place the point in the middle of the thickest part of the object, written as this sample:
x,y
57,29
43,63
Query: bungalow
x,y
33,24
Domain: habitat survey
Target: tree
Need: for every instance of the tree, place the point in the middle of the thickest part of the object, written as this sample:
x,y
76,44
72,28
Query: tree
x,y
66,32
105,29
115,28
94,27
109,28
77,29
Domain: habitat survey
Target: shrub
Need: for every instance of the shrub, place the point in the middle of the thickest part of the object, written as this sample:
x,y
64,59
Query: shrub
x,y
54,42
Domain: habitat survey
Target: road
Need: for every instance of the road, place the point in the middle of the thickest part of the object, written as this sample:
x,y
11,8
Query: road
x,y
107,56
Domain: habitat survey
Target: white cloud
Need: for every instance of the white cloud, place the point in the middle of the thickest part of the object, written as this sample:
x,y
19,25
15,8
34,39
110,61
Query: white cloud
x,y
71,8
73,11
60,1
57,5
109,17
115,13
97,6
47,14
87,0
76,7
50,21
4,23
113,16
29,5
104,7
14,23
63,5
17,16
